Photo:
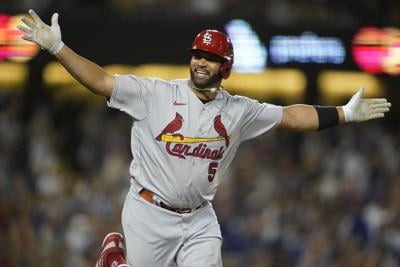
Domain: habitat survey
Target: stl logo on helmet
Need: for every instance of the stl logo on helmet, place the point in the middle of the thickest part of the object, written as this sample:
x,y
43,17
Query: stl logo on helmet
x,y
207,38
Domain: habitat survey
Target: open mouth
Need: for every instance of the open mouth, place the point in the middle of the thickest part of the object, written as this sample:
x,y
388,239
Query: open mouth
x,y
201,73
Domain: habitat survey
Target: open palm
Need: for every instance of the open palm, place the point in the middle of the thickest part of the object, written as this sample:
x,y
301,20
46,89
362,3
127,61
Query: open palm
x,y
47,37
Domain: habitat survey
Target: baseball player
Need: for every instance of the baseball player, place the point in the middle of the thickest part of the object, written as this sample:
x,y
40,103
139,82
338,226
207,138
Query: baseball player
x,y
185,134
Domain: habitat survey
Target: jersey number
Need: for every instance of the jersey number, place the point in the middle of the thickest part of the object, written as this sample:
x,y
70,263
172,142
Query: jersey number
x,y
212,170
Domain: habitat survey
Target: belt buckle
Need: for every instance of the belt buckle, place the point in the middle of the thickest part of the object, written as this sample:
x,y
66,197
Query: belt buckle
x,y
180,210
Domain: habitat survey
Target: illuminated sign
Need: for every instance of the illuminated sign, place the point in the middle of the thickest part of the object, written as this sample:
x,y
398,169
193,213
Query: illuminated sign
x,y
377,50
250,52
12,47
306,48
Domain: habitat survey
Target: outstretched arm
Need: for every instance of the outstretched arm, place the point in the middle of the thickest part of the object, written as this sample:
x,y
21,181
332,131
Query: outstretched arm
x,y
89,74
311,118
304,117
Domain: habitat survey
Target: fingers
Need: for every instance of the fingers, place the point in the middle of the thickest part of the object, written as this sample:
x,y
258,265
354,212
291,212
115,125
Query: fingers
x,y
35,17
29,30
372,109
28,22
378,106
380,110
25,29
27,38
383,105
54,19
375,100
376,116
377,103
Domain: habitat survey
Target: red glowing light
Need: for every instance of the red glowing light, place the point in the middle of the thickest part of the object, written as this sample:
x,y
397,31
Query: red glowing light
x,y
377,50
12,47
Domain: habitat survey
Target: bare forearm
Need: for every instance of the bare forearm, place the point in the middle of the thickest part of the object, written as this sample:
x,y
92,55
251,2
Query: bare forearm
x,y
304,118
89,74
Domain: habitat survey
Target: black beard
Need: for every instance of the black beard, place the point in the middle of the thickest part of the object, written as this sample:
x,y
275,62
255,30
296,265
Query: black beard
x,y
214,79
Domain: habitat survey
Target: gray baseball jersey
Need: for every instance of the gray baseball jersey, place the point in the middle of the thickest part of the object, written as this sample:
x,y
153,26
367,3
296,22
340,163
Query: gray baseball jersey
x,y
180,146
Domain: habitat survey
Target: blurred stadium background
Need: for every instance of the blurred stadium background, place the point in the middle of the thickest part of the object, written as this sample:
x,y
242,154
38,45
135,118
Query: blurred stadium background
x,y
329,199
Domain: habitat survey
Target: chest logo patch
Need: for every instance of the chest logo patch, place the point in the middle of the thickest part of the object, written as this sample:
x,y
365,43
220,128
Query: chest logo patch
x,y
181,146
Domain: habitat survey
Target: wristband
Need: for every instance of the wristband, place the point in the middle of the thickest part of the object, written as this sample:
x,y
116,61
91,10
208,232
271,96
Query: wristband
x,y
327,117
57,46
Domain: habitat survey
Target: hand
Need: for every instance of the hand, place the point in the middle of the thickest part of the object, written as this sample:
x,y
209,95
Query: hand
x,y
47,37
359,109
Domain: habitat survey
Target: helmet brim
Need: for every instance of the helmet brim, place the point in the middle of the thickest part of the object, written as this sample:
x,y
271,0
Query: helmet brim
x,y
207,55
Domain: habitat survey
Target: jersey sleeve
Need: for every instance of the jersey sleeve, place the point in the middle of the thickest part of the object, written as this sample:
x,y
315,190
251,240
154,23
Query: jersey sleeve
x,y
132,95
259,118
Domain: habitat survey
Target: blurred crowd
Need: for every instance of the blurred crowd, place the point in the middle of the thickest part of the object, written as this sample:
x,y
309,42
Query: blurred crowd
x,y
328,199
334,13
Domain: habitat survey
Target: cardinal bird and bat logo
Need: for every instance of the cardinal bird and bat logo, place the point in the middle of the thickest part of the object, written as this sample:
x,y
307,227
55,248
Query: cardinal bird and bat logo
x,y
172,127
180,146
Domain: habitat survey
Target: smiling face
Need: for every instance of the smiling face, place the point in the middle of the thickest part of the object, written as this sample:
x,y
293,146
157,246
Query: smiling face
x,y
205,70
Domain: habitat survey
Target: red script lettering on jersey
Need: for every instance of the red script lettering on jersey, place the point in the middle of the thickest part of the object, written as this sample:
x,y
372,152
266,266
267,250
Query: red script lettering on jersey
x,y
176,103
180,146
181,150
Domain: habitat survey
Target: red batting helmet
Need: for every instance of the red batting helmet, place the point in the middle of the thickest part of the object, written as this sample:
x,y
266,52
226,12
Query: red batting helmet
x,y
216,43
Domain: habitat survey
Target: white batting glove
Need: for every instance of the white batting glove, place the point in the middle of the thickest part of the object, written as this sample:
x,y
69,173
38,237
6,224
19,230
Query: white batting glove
x,y
359,109
47,37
